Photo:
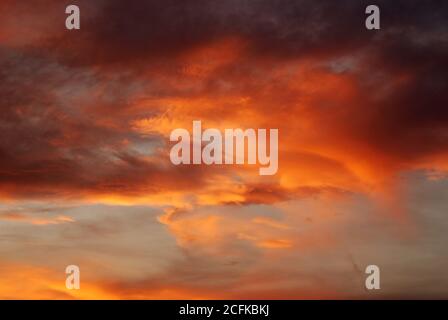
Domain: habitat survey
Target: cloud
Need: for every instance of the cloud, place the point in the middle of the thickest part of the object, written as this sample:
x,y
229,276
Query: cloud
x,y
12,216
86,117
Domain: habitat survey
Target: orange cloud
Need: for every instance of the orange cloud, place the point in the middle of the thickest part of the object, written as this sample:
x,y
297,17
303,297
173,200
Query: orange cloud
x,y
20,217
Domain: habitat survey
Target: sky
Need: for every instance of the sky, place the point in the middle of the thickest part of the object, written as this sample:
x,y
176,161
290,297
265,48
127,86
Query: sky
x,y
86,178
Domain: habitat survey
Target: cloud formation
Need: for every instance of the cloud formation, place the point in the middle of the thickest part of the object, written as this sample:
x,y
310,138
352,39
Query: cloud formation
x,y
86,117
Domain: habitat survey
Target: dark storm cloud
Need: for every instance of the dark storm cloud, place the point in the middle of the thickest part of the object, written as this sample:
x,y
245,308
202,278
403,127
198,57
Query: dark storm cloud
x,y
123,32
118,31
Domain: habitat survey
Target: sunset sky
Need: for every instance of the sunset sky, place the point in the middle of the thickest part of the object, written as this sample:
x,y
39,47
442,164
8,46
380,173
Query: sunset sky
x,y
86,178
